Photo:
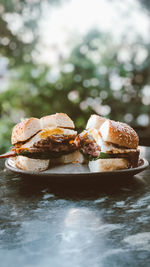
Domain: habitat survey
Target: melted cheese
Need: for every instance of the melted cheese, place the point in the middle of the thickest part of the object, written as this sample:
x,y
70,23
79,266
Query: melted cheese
x,y
48,132
111,148
105,146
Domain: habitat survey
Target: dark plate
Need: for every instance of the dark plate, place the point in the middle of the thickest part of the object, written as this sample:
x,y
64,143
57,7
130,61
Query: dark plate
x,y
77,170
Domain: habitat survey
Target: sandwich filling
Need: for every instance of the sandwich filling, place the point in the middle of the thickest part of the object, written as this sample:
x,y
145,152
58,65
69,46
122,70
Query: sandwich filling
x,y
93,147
48,143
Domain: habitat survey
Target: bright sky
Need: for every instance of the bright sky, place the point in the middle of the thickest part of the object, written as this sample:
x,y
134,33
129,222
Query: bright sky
x,y
61,26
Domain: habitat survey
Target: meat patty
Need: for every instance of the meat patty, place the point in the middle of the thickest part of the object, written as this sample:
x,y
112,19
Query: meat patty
x,y
87,144
53,143
133,157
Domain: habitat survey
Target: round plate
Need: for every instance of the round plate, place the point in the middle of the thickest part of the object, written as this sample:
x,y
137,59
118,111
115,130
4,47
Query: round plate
x,y
77,170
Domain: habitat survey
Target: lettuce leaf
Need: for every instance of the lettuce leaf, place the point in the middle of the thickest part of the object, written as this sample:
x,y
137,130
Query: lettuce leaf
x,y
102,155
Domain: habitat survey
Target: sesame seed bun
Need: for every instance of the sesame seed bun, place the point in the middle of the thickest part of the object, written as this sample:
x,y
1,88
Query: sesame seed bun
x,y
25,129
119,133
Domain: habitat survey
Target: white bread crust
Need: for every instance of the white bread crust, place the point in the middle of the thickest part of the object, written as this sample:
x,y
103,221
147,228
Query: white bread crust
x,y
102,165
57,120
95,121
119,133
28,164
25,129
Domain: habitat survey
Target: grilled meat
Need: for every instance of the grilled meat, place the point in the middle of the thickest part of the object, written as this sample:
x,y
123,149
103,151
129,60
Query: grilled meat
x,y
54,145
87,144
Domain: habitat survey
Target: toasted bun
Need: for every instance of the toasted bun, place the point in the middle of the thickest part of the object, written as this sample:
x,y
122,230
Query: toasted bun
x,y
102,165
25,129
119,133
57,120
95,121
28,164
74,157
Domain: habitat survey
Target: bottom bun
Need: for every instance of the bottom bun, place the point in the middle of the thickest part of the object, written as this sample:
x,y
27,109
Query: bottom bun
x,y
74,157
29,164
102,165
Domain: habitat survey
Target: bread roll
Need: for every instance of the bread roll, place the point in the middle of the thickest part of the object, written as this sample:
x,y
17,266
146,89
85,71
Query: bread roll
x,y
95,121
28,164
57,120
102,165
119,133
25,129
74,157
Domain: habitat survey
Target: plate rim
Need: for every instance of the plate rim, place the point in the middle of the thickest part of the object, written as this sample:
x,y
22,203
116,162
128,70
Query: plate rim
x,y
43,173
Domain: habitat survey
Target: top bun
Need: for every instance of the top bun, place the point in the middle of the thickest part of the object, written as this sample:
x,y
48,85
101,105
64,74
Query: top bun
x,y
57,120
119,133
25,129
95,121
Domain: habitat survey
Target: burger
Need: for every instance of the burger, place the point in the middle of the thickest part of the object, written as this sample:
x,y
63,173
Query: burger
x,y
108,145
38,142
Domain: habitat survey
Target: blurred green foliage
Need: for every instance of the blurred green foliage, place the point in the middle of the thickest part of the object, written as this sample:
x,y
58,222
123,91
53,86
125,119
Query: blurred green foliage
x,y
99,76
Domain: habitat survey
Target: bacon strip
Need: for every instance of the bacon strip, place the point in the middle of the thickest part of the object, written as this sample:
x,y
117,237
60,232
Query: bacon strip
x,y
8,154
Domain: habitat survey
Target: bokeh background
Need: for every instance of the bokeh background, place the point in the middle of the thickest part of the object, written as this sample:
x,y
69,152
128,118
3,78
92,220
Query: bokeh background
x,y
75,56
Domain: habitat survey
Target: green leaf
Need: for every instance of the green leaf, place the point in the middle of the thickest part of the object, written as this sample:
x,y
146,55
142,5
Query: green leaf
x,y
102,155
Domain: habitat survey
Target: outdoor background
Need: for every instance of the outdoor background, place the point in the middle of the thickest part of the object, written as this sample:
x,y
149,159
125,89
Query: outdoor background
x,y
75,56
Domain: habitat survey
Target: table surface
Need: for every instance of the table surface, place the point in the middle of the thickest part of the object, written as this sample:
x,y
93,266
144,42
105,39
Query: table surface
x,y
65,224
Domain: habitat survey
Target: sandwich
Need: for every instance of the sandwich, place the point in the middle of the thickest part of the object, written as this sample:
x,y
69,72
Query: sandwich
x,y
37,142
108,145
